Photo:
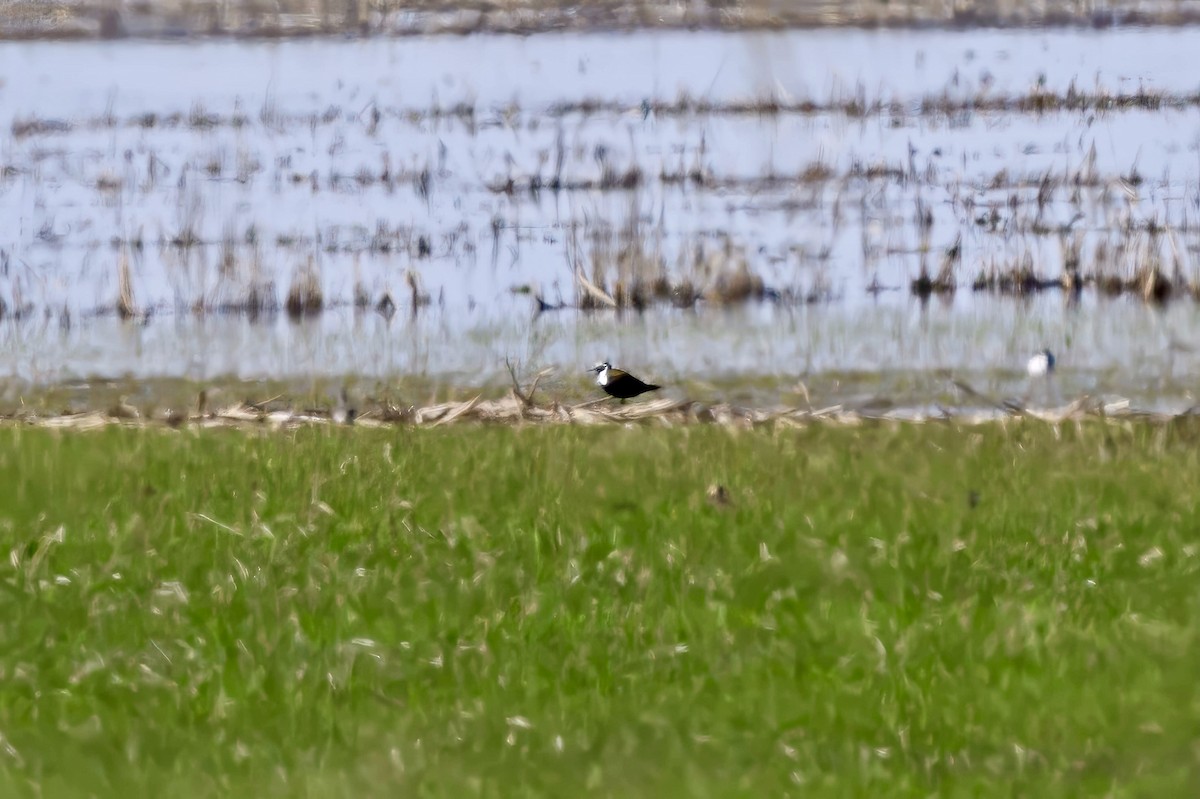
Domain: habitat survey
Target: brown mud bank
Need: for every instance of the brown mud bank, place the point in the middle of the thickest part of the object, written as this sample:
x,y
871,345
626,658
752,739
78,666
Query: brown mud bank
x,y
522,406
112,19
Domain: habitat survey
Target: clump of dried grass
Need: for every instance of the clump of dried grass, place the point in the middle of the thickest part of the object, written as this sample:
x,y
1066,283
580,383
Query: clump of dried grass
x,y
519,407
734,280
1016,276
945,282
305,296
417,295
126,308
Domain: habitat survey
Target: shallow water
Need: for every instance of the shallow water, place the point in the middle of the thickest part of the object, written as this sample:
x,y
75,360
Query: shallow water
x,y
273,153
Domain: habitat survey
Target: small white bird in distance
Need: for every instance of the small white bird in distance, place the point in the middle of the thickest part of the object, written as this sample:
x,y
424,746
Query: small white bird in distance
x,y
1040,364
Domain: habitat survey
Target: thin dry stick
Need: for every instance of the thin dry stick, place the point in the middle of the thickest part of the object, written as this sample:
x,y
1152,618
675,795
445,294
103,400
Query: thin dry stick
x,y
222,525
125,303
537,379
516,385
462,409
597,293
526,399
262,404
961,386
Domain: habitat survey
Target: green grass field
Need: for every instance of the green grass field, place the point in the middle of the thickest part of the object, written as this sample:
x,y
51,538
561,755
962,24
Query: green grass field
x,y
879,611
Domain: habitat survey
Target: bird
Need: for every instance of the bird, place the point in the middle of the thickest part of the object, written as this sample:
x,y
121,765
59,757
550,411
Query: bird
x,y
619,384
1040,364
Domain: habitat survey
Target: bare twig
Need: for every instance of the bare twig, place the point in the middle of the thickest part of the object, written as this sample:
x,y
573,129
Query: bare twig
x,y
126,308
461,410
516,384
221,525
966,389
526,398
262,404
597,293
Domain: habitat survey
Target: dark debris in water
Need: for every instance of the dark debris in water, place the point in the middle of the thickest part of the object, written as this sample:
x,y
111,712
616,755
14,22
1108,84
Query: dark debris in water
x,y
1036,101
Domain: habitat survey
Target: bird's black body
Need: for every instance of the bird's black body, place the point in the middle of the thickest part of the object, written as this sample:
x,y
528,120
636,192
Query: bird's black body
x,y
620,384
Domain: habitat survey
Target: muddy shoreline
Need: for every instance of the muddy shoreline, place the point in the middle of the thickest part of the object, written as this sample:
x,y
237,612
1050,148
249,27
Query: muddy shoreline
x,y
250,19
520,410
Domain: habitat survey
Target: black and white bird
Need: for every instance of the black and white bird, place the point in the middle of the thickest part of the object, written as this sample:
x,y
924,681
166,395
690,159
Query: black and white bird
x,y
619,384
1040,364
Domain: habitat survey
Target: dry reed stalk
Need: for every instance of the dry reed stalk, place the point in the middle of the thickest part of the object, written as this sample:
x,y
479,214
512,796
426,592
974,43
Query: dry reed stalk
x,y
125,304
418,297
526,398
592,290
463,409
305,296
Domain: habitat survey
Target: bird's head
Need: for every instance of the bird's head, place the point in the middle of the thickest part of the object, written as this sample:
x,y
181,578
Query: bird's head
x,y
600,367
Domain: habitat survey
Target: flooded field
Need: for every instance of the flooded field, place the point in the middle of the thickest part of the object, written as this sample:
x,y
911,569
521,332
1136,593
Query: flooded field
x,y
810,217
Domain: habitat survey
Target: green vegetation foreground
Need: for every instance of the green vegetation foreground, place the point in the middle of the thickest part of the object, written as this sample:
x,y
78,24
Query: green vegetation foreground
x,y
886,610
